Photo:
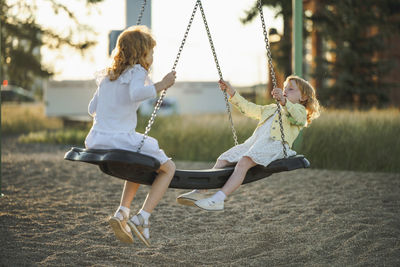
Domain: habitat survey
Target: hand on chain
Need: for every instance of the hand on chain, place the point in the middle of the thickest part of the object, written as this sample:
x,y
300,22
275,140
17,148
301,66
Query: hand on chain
x,y
225,86
278,95
169,79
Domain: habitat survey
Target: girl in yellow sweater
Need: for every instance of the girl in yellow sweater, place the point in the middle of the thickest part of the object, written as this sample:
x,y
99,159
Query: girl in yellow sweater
x,y
299,107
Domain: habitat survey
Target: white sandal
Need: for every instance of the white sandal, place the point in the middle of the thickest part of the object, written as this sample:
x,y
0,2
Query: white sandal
x,y
138,229
119,229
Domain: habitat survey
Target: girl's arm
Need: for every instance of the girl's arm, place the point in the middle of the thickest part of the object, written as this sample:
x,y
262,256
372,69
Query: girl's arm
x,y
93,104
139,92
166,82
246,107
297,111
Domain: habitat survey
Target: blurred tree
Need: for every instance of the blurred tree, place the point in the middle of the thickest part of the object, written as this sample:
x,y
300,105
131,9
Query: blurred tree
x,y
352,65
21,39
281,52
356,34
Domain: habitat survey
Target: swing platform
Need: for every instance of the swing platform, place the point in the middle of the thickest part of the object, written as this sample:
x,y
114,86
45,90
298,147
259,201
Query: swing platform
x,y
142,169
139,168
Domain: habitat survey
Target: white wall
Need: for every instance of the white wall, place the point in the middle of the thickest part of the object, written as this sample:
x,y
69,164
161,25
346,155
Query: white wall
x,y
69,99
197,97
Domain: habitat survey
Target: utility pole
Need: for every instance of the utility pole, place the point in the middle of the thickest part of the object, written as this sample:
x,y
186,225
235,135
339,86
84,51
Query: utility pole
x,y
133,8
132,11
297,49
297,52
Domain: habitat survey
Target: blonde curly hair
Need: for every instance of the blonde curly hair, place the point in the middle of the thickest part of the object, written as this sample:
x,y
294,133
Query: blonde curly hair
x,y
133,46
311,103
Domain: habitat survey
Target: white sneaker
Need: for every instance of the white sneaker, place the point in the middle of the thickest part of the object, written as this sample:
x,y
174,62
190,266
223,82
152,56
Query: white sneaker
x,y
209,204
188,199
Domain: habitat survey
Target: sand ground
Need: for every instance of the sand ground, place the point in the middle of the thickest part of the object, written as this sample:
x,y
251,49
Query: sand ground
x,y
54,213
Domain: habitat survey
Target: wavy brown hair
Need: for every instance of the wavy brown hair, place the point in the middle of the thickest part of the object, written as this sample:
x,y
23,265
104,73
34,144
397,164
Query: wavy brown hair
x,y
133,45
311,103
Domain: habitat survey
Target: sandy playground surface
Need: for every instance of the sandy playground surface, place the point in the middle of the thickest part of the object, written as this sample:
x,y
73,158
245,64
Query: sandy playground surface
x,y
54,213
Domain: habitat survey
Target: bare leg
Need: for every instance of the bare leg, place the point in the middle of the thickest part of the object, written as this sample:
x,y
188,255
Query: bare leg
x,y
129,193
238,175
159,186
118,221
218,165
189,198
221,163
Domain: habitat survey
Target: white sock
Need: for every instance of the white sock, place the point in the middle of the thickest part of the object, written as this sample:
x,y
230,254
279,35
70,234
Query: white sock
x,y
146,217
219,196
118,214
125,210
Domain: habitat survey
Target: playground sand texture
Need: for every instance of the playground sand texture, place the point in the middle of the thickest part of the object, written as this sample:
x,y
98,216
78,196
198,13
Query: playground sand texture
x,y
54,213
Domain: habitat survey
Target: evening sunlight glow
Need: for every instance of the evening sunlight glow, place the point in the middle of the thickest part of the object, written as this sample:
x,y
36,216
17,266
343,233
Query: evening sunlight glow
x,y
240,48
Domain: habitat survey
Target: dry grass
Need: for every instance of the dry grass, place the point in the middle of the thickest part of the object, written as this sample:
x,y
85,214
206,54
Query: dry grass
x,y
25,118
339,139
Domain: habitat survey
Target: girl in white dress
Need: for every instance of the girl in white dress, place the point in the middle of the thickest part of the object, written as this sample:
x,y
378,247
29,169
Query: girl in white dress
x,y
121,89
299,107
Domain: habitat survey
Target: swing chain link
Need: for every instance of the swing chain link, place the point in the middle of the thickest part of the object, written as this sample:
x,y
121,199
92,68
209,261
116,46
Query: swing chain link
x,y
271,67
228,109
164,92
139,20
185,36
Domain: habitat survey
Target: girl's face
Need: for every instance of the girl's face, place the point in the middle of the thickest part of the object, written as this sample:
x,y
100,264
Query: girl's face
x,y
292,92
149,57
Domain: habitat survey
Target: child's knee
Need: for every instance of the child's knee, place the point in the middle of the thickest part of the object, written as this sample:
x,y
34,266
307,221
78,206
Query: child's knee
x,y
245,163
221,163
168,167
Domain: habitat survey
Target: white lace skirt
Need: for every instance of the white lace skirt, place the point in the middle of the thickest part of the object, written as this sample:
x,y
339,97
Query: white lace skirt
x,y
262,152
260,147
125,141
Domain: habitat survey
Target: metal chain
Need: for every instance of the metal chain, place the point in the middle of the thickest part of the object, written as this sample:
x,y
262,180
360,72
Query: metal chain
x,y
271,67
228,109
139,19
164,92
185,36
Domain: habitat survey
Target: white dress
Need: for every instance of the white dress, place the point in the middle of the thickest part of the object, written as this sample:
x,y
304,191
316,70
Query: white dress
x,y
260,147
113,108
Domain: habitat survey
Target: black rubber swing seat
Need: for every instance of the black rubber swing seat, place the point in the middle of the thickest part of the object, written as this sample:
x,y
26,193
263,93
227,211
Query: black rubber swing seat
x,y
139,168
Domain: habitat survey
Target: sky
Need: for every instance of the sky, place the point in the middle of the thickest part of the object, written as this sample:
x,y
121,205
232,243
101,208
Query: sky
x,y
240,48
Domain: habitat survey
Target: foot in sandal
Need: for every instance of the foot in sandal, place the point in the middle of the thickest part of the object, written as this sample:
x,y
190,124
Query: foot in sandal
x,y
140,227
118,223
